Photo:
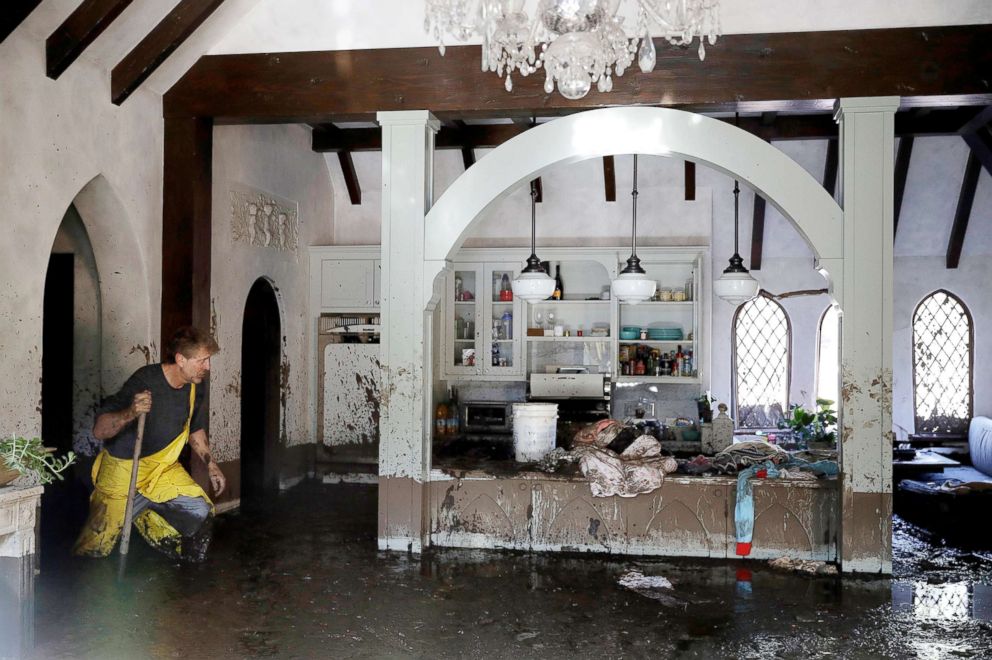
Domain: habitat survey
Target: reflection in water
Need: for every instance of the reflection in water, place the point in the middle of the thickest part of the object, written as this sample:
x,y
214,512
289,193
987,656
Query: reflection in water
x,y
952,601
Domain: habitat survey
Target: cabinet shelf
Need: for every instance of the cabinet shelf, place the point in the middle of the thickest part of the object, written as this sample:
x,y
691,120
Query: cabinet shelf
x,y
597,301
659,342
660,303
569,339
683,380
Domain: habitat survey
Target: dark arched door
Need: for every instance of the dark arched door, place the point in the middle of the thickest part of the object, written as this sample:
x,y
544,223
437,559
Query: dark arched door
x,y
260,402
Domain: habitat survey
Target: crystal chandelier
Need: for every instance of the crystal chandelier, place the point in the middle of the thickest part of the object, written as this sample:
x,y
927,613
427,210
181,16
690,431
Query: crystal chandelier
x,y
578,42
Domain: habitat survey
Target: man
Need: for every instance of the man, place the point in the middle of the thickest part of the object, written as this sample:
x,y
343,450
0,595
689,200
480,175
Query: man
x,y
171,511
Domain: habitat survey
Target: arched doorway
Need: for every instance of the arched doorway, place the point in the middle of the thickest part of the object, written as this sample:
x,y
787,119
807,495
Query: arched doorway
x,y
260,403
71,377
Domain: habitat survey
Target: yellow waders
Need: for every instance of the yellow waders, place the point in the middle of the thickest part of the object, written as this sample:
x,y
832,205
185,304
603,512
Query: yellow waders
x,y
160,479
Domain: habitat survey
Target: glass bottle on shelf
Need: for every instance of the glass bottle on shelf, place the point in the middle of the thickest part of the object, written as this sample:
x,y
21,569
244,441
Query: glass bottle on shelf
x,y
495,352
505,291
559,291
507,320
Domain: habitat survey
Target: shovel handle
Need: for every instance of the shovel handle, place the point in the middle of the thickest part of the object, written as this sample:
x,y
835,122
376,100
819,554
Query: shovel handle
x,y
132,488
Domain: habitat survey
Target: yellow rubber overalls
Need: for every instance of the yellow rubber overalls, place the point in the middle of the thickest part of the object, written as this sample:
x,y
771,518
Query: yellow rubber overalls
x,y
160,479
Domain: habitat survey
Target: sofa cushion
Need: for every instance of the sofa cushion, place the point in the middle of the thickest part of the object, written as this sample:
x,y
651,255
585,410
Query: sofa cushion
x,y
980,443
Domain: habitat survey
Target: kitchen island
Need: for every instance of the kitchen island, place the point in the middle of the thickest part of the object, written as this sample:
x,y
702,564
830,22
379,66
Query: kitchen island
x,y
502,504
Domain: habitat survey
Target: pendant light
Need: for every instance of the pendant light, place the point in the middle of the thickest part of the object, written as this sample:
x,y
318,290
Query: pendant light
x,y
632,285
533,283
736,285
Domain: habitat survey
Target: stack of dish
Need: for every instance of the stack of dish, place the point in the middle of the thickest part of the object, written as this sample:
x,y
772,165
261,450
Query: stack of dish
x,y
665,334
630,332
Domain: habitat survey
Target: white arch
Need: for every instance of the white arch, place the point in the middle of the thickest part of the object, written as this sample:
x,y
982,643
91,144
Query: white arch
x,y
653,131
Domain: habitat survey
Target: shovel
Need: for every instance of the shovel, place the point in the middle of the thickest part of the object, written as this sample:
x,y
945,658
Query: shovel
x,y
131,490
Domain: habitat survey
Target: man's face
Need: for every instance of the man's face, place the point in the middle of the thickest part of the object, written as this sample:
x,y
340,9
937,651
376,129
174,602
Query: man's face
x,y
194,369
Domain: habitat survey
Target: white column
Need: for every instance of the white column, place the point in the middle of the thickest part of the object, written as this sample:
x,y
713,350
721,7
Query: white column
x,y
866,174
404,449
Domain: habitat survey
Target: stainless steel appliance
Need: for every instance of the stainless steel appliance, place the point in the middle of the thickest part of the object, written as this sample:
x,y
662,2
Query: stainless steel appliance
x,y
582,397
487,418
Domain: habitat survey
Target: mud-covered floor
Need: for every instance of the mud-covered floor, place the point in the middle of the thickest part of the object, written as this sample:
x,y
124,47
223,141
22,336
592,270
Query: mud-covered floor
x,y
304,579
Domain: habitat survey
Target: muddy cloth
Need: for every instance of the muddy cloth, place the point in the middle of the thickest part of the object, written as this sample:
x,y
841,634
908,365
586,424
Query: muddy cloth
x,y
639,469
741,455
168,418
744,508
164,489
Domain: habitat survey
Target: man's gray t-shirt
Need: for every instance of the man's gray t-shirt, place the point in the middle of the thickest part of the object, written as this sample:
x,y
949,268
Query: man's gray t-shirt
x,y
170,408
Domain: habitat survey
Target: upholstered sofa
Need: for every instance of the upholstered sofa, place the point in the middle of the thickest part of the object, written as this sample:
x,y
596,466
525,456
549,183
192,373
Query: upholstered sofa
x,y
954,502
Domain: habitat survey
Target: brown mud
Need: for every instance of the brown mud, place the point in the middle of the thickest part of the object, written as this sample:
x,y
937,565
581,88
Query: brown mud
x,y
303,578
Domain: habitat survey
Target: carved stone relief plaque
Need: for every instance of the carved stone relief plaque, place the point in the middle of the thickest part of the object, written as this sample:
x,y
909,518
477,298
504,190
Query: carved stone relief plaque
x,y
264,220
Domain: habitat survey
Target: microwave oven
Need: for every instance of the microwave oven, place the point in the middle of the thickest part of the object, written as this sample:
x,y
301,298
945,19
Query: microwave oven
x,y
487,417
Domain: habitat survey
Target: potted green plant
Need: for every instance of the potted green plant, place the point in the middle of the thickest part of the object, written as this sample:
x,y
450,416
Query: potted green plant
x,y
704,406
30,458
812,428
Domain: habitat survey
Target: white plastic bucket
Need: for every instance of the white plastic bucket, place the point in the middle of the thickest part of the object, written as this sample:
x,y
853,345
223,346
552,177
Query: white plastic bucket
x,y
534,426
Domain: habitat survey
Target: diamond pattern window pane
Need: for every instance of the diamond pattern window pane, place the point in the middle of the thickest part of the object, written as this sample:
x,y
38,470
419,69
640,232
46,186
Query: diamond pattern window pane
x,y
942,364
761,341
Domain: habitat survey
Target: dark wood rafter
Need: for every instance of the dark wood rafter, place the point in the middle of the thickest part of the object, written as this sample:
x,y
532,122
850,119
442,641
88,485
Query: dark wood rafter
x,y
903,156
186,225
830,167
757,231
83,26
690,181
156,47
13,14
468,152
537,185
609,179
963,212
978,134
350,177
751,72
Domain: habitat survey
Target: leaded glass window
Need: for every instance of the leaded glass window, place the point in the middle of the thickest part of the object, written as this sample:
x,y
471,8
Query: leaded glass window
x,y
942,364
828,355
762,341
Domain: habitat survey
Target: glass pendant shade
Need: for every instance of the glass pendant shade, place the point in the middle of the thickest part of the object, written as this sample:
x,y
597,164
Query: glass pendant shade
x,y
736,285
632,285
736,288
533,284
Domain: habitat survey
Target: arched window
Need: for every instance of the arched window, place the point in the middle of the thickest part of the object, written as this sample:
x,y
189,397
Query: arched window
x,y
942,364
828,355
762,347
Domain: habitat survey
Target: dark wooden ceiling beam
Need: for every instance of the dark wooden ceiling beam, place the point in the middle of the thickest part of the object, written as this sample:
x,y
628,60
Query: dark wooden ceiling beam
x,y
13,14
830,167
538,186
690,181
903,156
978,134
609,179
83,26
468,152
933,66
757,232
156,47
963,212
350,177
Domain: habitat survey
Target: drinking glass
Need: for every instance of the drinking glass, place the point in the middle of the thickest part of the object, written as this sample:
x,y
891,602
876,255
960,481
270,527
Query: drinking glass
x,y
539,319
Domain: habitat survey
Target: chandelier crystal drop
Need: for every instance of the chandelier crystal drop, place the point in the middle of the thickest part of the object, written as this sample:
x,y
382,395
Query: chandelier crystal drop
x,y
578,42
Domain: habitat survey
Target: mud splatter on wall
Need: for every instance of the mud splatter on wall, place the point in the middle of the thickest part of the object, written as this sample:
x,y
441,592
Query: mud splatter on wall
x,y
351,395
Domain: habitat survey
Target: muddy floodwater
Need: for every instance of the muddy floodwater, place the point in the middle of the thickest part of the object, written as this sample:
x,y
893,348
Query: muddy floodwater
x,y
303,578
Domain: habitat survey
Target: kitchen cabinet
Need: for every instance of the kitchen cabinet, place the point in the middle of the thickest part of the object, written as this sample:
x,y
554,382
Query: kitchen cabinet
x,y
672,323
482,322
345,278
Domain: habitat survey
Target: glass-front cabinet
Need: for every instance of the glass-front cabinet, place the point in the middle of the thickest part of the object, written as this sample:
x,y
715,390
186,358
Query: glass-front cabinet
x,y
482,321
659,340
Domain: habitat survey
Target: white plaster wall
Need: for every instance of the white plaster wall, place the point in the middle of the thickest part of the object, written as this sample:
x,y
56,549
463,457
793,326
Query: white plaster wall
x,y
55,138
299,25
276,160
